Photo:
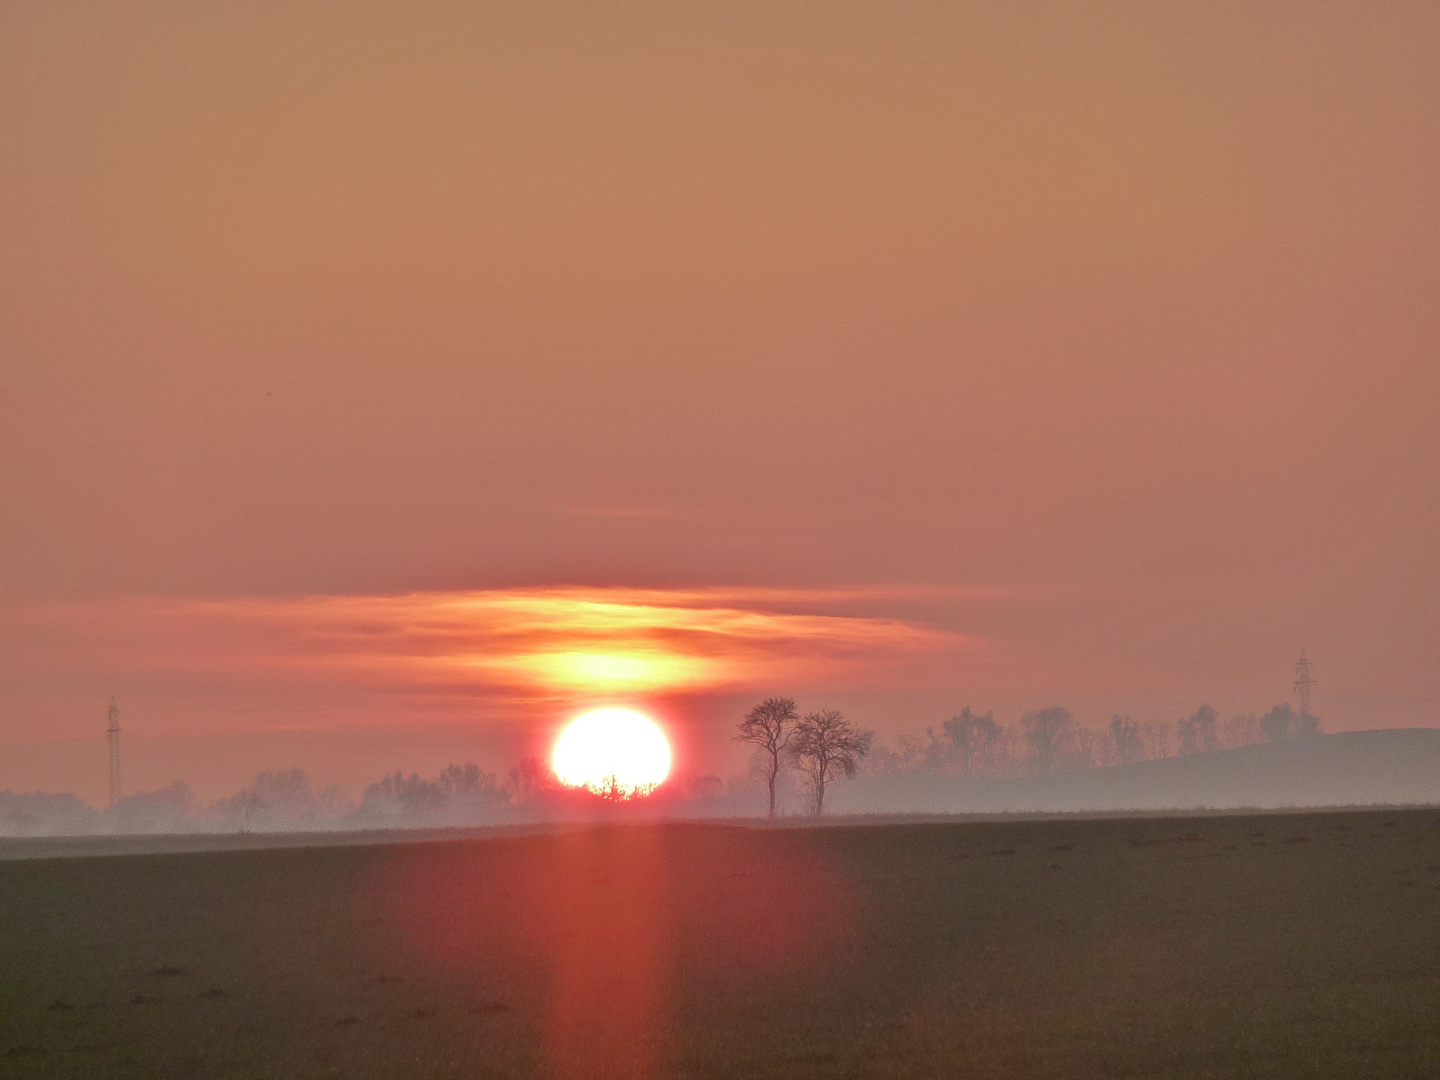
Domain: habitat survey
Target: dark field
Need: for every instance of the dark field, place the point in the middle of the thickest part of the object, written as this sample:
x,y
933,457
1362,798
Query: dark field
x,y
1268,946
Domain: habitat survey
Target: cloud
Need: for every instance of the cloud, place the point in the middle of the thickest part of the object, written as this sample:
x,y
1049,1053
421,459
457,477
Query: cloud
x,y
515,647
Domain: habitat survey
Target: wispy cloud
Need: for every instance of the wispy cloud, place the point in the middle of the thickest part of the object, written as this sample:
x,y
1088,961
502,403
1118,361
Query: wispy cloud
x,y
519,645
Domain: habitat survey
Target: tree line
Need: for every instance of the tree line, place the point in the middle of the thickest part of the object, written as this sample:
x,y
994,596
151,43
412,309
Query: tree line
x,y
973,744
807,752
822,746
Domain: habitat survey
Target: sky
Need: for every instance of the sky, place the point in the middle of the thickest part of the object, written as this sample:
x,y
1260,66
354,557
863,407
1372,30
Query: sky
x,y
380,385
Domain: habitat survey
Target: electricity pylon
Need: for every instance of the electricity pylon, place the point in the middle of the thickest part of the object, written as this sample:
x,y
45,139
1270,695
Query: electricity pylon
x,y
112,733
1303,683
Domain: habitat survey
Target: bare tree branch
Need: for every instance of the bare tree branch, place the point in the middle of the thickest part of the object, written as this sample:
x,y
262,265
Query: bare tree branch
x,y
826,747
770,726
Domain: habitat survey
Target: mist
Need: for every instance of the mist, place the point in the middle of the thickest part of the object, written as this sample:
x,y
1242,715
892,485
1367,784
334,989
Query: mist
x,y
1046,763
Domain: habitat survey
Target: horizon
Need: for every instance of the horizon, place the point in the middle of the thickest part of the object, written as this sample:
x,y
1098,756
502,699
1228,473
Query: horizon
x,y
314,751
1032,749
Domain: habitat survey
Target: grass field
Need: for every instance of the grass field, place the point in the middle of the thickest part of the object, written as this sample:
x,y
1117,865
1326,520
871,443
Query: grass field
x,y
1267,946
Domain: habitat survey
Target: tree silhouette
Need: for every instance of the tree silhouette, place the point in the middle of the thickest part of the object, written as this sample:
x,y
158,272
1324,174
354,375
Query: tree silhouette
x,y
1197,733
825,746
1048,733
274,793
469,783
395,792
528,780
1158,738
973,737
1129,745
770,726
1282,722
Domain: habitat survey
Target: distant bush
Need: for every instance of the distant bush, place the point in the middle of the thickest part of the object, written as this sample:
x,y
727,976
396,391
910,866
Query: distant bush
x,y
398,794
463,788
1049,733
281,797
39,813
1198,733
1283,722
169,809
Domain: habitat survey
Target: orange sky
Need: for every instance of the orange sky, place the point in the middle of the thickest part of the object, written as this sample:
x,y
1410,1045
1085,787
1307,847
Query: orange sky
x,y
1092,349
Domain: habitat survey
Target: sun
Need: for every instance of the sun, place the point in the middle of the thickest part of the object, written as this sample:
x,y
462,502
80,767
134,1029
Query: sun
x,y
616,753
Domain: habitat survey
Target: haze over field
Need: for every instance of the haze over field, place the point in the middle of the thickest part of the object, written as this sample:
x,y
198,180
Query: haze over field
x,y
380,387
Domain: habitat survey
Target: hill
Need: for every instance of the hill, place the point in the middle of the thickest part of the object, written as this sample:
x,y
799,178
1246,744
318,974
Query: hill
x,y
1397,766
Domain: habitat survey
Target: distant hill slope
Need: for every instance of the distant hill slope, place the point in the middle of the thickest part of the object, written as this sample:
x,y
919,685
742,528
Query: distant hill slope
x,y
1397,765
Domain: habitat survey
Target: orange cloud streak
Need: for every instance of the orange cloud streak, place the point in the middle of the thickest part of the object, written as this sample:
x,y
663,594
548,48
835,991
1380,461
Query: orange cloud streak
x,y
528,644
560,643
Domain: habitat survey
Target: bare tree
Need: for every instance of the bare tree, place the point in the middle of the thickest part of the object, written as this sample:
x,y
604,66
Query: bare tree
x,y
1282,722
529,778
973,737
1158,739
1048,733
1197,733
1087,748
770,726
882,761
470,784
397,794
911,751
826,747
1241,730
274,793
1129,745
1278,724
1003,756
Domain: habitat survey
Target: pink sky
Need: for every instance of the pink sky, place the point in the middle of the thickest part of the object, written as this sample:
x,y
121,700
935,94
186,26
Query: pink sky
x,y
1082,354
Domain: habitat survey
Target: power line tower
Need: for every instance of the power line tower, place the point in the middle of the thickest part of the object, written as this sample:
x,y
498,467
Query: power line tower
x,y
1303,682
112,734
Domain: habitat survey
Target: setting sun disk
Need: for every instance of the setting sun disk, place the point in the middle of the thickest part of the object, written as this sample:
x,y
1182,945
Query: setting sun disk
x,y
616,753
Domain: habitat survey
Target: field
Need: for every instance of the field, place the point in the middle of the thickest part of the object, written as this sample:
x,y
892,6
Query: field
x,y
1282,945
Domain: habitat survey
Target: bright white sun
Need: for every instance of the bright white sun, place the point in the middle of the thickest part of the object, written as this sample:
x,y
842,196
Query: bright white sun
x,y
616,753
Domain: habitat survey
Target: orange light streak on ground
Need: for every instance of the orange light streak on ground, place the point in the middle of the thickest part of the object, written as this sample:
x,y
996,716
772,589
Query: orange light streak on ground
x,y
620,921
